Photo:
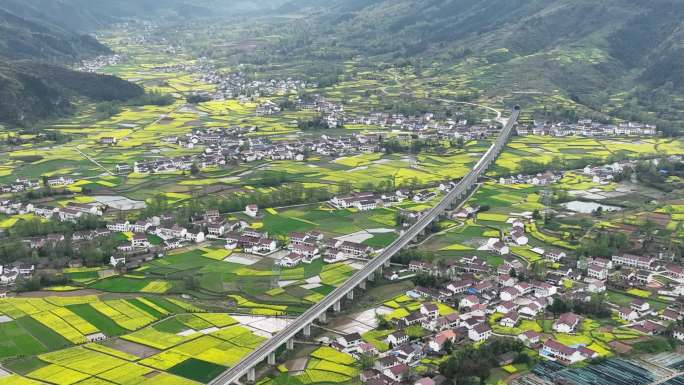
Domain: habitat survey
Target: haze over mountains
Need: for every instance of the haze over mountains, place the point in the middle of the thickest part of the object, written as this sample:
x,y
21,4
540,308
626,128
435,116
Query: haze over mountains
x,y
39,37
590,50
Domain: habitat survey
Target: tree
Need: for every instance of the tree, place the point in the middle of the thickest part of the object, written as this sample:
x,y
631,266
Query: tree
x,y
448,346
367,361
383,323
559,306
194,169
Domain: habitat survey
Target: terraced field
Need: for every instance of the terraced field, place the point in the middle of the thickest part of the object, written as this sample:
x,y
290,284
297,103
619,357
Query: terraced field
x,y
39,341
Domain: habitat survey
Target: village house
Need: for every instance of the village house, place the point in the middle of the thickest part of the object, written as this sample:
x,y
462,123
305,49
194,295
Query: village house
x,y
595,285
397,372
566,323
597,272
469,301
436,344
529,338
252,211
397,338
635,261
140,241
355,200
555,350
554,256
509,320
530,309
350,341
448,321
505,307
628,314
430,310
290,260
509,294
481,332
262,246
641,306
116,262
386,362
678,333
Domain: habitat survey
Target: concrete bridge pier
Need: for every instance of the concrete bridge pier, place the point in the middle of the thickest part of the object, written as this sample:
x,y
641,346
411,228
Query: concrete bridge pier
x,y
323,318
362,285
337,307
251,376
307,330
271,358
350,295
371,276
387,263
290,344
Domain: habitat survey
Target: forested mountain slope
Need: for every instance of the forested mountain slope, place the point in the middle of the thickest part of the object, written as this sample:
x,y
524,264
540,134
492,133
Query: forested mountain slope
x,y
592,50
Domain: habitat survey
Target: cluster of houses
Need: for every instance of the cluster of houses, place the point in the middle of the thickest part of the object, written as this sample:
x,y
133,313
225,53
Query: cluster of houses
x,y
426,125
222,148
541,179
488,298
9,275
309,246
477,300
267,108
69,213
209,225
236,85
588,128
93,65
606,174
514,236
20,185
251,241
366,200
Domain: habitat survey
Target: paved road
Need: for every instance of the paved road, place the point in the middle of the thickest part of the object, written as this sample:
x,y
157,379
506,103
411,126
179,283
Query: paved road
x,y
233,374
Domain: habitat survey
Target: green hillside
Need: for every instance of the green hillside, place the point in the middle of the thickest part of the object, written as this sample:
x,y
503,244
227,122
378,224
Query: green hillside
x,y
622,57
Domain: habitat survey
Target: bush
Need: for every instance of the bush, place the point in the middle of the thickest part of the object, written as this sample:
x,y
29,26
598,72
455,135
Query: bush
x,y
654,345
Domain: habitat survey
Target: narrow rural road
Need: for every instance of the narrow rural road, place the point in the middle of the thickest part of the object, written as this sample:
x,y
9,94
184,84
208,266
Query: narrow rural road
x,y
98,164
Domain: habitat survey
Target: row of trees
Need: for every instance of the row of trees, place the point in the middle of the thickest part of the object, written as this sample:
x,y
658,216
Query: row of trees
x,y
603,244
596,307
92,253
470,366
288,194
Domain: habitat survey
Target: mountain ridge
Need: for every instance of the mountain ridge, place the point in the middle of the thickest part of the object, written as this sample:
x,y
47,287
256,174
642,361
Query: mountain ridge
x,y
590,50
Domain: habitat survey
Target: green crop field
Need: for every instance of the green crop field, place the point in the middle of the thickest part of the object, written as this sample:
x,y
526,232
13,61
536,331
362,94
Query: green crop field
x,y
17,341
